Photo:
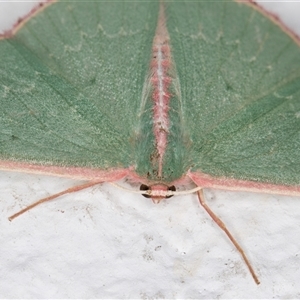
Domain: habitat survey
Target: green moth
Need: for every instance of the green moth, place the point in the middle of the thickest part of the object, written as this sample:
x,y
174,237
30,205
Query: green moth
x,y
140,91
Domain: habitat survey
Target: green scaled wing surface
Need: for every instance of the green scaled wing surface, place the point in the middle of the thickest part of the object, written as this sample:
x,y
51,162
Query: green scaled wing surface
x,y
239,76
71,80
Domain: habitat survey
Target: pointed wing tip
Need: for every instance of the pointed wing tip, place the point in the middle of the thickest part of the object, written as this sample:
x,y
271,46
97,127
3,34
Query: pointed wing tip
x,y
23,20
273,17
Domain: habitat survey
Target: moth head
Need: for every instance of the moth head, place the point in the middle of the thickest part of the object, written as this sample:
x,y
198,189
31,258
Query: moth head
x,y
157,192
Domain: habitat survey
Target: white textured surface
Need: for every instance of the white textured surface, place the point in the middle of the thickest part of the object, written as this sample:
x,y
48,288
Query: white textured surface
x,y
106,243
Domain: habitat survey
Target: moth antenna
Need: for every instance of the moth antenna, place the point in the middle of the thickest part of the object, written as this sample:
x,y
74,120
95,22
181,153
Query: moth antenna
x,y
67,191
127,189
186,192
223,227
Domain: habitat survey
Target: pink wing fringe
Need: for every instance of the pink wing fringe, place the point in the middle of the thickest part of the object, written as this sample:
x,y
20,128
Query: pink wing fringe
x,y
21,21
111,175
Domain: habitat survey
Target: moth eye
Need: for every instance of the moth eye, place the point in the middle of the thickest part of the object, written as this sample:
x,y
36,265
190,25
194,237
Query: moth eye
x,y
171,188
145,187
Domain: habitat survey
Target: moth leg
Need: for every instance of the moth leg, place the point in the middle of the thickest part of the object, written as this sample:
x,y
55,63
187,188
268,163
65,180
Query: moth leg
x,y
223,227
67,191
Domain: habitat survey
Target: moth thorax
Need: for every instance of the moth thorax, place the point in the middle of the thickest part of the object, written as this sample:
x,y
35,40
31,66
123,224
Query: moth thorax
x,y
157,192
